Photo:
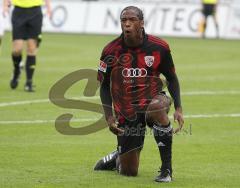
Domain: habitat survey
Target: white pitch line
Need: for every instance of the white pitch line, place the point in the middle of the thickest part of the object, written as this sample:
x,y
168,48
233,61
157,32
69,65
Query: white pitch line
x,y
210,116
46,121
189,93
95,119
40,101
23,102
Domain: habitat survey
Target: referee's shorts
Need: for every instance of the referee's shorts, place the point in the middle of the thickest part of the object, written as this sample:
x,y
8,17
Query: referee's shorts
x,y
26,22
208,9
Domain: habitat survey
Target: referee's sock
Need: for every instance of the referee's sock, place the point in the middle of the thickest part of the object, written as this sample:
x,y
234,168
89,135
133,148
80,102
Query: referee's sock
x,y
16,64
163,138
30,67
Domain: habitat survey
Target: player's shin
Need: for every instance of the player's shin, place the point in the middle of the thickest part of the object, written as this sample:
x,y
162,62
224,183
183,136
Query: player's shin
x,y
163,138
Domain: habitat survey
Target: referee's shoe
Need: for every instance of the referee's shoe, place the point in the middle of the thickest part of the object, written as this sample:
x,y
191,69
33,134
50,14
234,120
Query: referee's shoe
x,y
14,83
29,87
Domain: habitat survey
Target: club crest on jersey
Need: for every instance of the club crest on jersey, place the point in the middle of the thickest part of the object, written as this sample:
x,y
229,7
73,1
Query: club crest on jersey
x,y
149,60
102,66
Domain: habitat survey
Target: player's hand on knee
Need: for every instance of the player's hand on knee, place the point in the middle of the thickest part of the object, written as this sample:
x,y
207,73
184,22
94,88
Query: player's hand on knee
x,y
178,116
113,126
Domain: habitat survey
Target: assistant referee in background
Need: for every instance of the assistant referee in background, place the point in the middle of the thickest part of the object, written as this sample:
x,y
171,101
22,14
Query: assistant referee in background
x,y
209,9
27,20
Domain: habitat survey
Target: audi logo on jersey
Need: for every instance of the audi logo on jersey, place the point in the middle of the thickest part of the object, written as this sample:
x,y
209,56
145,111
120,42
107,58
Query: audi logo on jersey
x,y
134,72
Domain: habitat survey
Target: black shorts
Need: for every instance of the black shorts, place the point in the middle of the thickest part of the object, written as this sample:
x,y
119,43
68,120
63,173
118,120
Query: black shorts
x,y
133,136
26,22
134,131
208,9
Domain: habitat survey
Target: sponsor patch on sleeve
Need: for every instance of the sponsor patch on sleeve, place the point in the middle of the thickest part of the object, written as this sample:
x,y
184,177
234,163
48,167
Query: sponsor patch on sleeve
x,y
102,66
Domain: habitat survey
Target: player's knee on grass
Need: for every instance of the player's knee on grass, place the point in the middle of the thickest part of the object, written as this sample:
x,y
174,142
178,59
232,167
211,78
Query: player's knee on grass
x,y
129,171
158,109
129,163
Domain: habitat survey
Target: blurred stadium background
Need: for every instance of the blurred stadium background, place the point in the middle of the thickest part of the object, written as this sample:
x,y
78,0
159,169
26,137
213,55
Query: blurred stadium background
x,y
206,152
162,17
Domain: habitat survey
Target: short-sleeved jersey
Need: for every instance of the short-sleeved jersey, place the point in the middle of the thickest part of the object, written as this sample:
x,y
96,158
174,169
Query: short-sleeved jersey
x,y
209,1
134,73
27,3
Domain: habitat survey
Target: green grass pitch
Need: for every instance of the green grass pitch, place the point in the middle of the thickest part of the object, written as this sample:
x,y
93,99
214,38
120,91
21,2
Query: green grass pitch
x,y
34,154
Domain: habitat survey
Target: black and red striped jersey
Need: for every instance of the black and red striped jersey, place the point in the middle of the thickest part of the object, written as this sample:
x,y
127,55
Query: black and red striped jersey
x,y
134,73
